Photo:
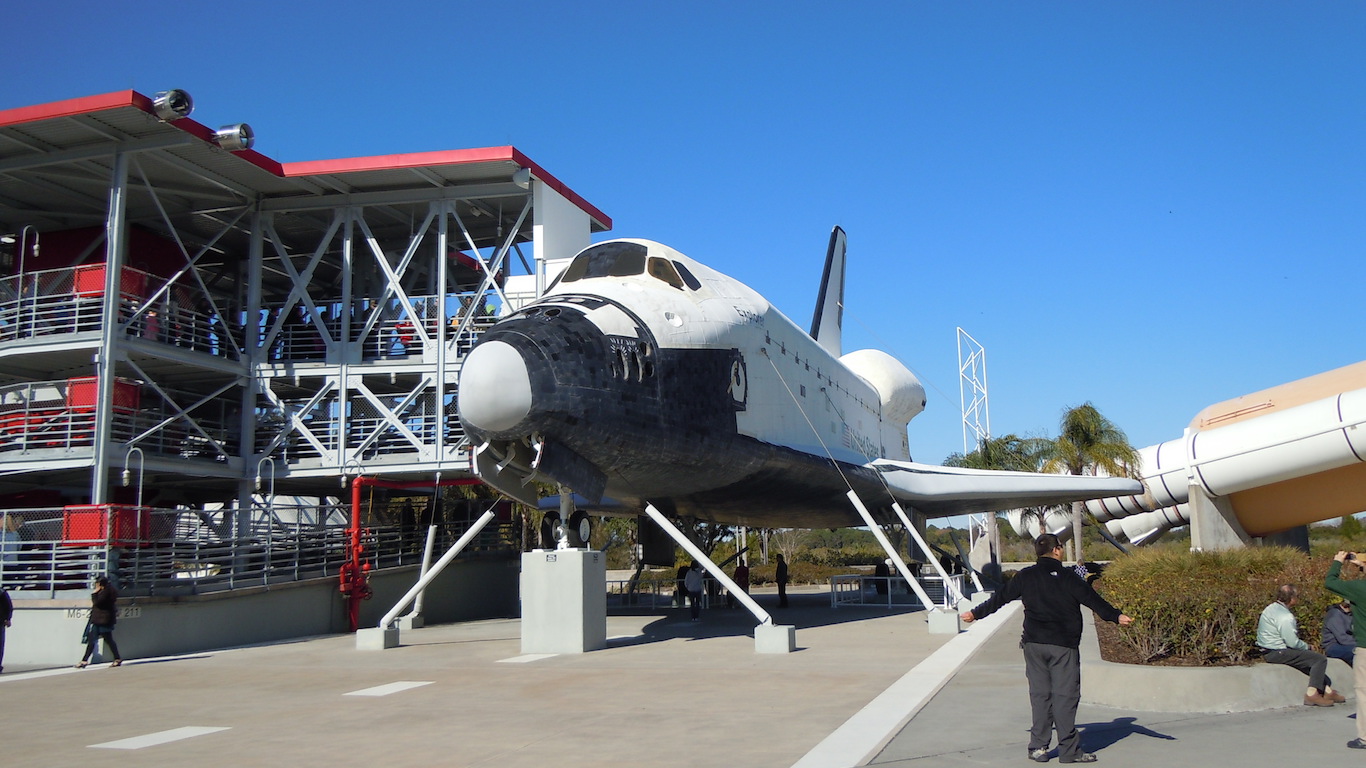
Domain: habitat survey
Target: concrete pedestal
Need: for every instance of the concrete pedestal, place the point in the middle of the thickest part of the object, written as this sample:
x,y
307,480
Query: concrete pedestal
x,y
1214,526
564,601
376,638
770,638
976,599
944,622
411,622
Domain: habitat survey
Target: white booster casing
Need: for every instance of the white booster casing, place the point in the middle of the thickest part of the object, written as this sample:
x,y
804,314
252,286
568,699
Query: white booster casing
x,y
1283,457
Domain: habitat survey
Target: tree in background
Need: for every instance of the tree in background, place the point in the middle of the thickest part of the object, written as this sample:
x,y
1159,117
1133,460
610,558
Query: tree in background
x,y
786,541
1088,443
1350,527
1012,453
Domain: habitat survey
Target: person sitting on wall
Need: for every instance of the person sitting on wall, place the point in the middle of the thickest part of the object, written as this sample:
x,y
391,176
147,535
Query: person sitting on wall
x,y
1278,637
1338,641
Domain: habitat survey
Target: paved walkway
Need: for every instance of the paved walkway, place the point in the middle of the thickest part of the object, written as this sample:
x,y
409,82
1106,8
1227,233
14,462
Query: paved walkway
x,y
666,692
981,717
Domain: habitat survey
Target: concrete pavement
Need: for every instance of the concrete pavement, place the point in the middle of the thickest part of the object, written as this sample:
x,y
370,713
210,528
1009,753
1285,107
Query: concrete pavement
x,y
981,717
666,692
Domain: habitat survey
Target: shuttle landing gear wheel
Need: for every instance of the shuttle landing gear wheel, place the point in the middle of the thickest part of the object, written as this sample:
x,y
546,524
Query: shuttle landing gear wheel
x,y
580,529
550,525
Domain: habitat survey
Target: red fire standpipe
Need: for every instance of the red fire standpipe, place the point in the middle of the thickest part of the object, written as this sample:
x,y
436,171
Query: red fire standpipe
x,y
355,572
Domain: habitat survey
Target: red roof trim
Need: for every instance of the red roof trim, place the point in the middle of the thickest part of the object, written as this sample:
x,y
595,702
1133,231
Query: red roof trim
x,y
74,107
118,99
444,157
394,162
560,187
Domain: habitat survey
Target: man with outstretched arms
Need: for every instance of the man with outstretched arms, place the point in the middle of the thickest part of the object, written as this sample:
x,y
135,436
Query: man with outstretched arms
x,y
1053,595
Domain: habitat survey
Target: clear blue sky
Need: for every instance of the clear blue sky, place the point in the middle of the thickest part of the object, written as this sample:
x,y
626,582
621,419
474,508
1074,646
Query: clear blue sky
x,y
1153,206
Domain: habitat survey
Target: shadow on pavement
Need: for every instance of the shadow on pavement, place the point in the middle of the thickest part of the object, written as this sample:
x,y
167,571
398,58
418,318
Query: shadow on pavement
x,y
1098,736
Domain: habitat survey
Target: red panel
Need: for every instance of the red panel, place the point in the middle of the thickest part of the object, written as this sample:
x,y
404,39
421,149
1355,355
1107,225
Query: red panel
x,y
88,525
83,392
88,282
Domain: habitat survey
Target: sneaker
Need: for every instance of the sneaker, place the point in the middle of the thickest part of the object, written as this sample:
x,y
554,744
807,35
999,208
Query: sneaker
x,y
1316,700
1039,755
1334,697
1356,744
1082,757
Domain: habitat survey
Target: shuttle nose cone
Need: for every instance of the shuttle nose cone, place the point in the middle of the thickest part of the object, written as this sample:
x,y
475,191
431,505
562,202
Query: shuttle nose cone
x,y
495,388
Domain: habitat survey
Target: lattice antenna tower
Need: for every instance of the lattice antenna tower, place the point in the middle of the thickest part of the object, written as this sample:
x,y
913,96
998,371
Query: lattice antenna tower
x,y
972,391
972,396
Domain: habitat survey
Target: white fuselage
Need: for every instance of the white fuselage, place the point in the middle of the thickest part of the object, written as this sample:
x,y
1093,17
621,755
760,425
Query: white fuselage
x,y
663,379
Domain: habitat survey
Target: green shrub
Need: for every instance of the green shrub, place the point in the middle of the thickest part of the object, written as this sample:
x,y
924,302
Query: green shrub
x,y
799,572
1202,607
840,558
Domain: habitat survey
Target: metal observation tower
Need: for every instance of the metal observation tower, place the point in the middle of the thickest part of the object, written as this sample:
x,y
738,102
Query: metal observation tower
x,y
218,371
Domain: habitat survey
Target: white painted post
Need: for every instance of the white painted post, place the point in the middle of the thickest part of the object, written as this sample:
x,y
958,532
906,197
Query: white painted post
x,y
705,562
887,545
436,569
950,587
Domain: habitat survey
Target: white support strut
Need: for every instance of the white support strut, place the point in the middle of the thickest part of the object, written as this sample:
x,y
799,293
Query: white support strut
x,y
445,560
426,566
949,586
891,551
705,562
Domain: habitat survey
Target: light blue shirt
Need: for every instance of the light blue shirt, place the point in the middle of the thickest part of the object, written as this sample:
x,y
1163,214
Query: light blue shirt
x,y
1277,629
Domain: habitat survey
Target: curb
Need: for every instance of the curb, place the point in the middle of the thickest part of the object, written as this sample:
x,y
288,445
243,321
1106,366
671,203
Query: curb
x,y
1209,690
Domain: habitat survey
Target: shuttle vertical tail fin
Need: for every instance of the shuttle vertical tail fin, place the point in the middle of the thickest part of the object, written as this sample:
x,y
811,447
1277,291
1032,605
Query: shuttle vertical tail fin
x,y
829,318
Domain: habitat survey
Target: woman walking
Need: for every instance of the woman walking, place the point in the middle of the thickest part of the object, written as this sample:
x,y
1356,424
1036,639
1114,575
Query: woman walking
x,y
103,615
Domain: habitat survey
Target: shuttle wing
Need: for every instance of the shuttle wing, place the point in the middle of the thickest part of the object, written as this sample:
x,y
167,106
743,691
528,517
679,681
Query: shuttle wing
x,y
942,491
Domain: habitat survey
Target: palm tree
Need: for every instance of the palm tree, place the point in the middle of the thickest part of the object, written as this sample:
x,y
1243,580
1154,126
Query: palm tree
x,y
1089,442
1013,453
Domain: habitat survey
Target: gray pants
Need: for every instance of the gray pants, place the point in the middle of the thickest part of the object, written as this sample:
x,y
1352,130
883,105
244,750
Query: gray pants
x,y
1308,662
1054,675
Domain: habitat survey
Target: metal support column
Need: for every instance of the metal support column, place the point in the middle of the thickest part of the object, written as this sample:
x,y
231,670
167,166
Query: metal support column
x,y
115,237
442,330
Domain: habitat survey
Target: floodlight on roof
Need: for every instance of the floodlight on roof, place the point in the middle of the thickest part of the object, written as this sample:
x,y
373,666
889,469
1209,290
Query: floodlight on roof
x,y
172,105
235,137
522,177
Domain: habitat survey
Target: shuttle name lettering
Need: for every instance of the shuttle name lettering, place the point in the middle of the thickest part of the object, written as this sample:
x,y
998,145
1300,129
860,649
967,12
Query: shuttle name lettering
x,y
750,316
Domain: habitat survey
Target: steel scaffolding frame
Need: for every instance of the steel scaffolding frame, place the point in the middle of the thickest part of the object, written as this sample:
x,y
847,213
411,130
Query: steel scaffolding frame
x,y
312,320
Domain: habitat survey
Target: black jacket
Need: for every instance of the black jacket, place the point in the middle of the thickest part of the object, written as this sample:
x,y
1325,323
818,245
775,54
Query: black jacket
x,y
1053,595
103,612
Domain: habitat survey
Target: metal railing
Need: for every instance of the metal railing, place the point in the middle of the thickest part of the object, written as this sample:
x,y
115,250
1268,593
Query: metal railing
x,y
658,593
397,333
148,551
71,300
50,417
887,591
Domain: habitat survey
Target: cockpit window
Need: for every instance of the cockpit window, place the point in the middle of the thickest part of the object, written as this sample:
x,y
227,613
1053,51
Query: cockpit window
x,y
606,260
687,276
663,270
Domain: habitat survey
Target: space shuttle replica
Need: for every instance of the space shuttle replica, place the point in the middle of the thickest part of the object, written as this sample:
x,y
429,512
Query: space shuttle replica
x,y
644,380
1249,467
